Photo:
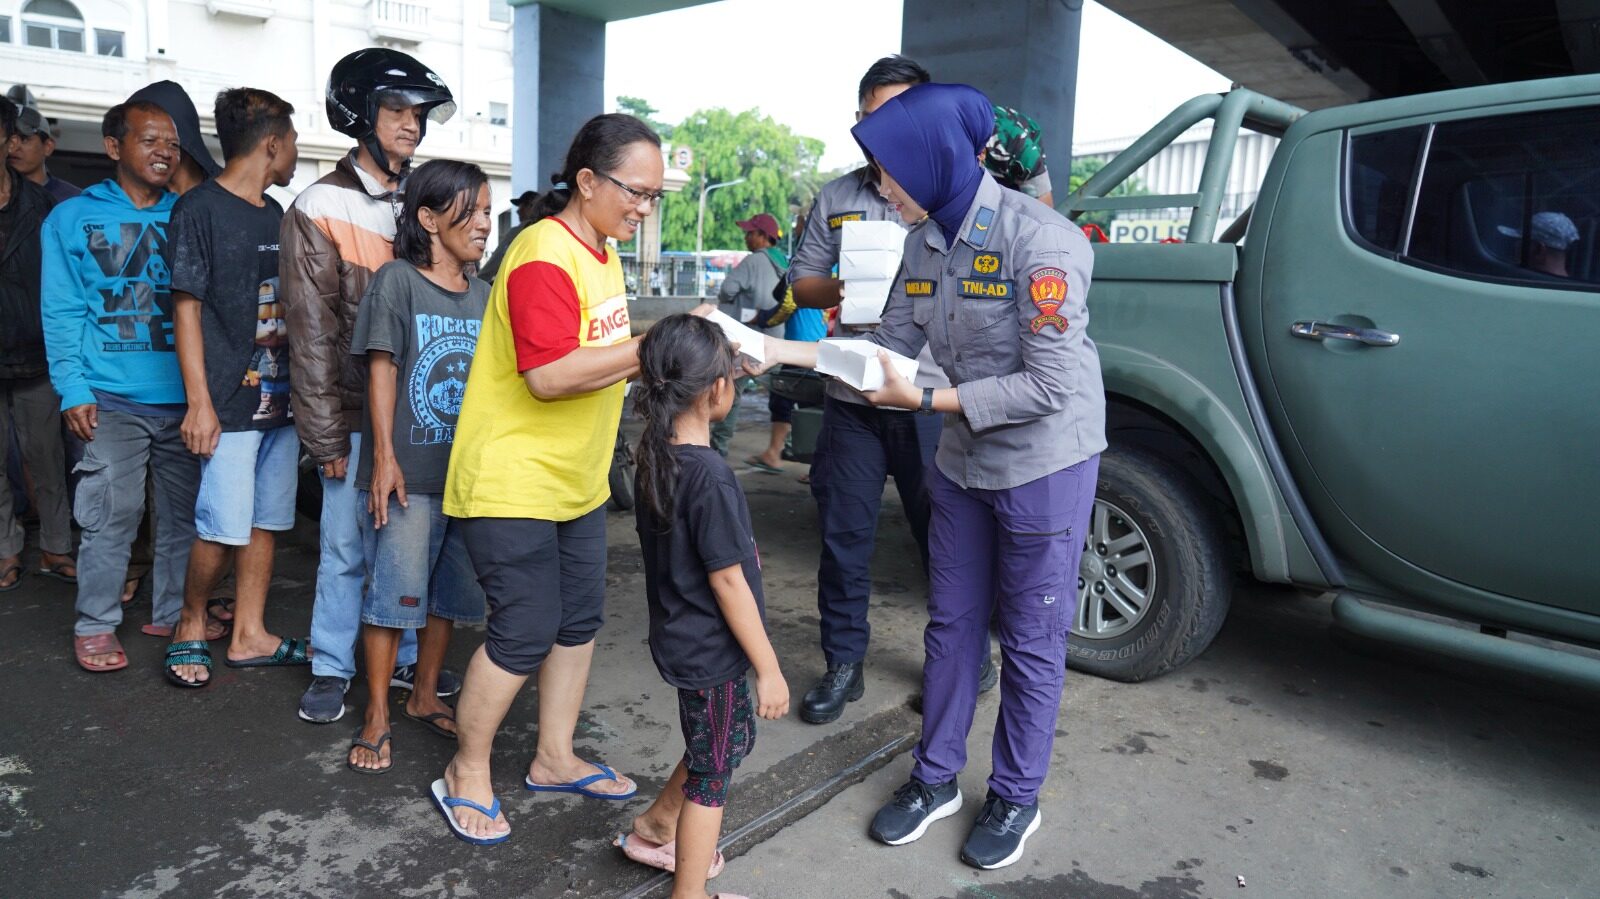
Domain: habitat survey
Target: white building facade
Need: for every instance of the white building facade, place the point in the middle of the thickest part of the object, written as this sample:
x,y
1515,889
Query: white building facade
x,y
81,57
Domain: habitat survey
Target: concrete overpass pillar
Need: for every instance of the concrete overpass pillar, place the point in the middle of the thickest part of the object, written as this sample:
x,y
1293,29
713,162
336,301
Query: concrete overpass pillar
x,y
1022,53
558,63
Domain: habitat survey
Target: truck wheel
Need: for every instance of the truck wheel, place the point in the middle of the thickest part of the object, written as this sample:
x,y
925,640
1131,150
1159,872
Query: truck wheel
x,y
1154,585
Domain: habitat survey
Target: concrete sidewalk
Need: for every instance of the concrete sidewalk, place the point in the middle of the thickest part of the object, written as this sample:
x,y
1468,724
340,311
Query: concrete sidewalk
x,y
1279,756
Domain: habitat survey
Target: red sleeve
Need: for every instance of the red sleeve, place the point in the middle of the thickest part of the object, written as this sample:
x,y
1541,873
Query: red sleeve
x,y
543,305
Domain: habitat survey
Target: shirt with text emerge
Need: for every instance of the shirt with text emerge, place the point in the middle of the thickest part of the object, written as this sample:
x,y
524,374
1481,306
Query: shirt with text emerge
x,y
517,455
710,530
432,333
223,251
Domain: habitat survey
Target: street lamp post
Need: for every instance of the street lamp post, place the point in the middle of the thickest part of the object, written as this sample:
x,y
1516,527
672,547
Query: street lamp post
x,y
700,232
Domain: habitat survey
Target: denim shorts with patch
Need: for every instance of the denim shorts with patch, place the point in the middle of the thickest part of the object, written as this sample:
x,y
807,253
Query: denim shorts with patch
x,y
417,565
249,482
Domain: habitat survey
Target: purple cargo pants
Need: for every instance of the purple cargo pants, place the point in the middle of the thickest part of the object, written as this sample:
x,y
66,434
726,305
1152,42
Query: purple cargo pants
x,y
1017,548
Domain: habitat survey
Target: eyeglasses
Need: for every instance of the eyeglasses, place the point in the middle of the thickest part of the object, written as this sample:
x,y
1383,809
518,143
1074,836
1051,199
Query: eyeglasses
x,y
639,197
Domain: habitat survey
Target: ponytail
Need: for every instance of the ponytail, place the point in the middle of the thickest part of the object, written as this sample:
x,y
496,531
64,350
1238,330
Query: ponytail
x,y
680,358
599,146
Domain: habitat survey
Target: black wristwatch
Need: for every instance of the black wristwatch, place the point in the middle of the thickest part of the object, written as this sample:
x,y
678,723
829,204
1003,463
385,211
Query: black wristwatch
x,y
927,401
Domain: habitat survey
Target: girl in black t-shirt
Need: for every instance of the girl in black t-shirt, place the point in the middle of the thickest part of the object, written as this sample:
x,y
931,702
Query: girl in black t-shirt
x,y
703,583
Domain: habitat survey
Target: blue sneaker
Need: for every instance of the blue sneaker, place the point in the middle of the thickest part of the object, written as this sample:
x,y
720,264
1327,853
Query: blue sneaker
x,y
323,701
405,677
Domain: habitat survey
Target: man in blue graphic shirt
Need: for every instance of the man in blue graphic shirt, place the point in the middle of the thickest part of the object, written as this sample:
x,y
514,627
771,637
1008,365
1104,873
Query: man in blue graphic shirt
x,y
108,337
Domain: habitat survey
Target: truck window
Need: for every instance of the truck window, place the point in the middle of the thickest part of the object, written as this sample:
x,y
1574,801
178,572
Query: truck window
x,y
1513,198
1378,182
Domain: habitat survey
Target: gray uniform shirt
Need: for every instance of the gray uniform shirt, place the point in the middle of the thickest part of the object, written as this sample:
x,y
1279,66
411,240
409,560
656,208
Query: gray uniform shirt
x,y
1003,311
847,198
749,287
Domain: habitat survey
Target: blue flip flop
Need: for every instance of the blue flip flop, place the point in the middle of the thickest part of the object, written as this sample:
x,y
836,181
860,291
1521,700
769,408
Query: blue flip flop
x,y
581,785
444,803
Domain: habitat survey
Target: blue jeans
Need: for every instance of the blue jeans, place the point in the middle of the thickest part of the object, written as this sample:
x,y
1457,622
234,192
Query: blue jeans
x,y
109,504
417,565
336,613
857,448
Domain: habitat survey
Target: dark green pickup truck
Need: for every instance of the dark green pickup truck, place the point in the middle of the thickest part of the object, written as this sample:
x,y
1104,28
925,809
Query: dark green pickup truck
x,y
1382,382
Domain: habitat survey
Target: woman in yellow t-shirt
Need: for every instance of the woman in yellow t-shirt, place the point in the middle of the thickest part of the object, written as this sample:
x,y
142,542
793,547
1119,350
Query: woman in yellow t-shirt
x,y
528,470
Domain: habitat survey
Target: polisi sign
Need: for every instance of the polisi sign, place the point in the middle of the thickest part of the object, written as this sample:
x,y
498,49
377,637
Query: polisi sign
x,y
1148,230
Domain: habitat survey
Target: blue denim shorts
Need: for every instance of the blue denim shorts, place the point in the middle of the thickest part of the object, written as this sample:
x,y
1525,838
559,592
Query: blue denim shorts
x,y
417,565
249,482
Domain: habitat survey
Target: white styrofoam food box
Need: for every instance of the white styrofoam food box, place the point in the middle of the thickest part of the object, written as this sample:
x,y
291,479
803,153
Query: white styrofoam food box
x,y
868,264
863,301
873,236
855,362
750,341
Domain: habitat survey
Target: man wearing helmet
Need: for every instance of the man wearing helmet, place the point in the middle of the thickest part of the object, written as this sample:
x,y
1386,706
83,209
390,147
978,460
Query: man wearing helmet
x,y
337,233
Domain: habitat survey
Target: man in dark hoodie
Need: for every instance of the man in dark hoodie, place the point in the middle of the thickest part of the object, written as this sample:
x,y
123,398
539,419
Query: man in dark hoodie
x,y
195,163
107,311
26,398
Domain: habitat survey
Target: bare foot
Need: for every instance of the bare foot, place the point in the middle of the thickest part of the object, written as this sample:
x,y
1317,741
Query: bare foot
x,y
476,787
372,732
657,832
420,706
192,630
262,644
61,563
129,588
578,769
11,572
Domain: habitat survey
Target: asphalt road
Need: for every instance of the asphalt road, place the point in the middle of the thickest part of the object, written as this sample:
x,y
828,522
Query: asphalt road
x,y
1281,763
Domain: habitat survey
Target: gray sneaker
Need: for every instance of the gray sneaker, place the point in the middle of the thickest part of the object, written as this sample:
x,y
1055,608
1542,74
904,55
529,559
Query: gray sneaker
x,y
405,677
323,701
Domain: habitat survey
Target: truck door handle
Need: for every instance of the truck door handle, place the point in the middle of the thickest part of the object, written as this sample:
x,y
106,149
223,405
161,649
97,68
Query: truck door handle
x,y
1324,330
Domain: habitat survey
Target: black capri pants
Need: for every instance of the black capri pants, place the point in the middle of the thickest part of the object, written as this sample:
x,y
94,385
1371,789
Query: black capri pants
x,y
545,583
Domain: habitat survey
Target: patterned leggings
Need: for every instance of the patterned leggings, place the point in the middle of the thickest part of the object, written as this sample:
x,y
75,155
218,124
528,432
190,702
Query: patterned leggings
x,y
719,730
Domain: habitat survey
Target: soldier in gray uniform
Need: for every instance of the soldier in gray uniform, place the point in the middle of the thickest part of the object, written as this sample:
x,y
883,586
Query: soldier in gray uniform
x,y
858,445
995,284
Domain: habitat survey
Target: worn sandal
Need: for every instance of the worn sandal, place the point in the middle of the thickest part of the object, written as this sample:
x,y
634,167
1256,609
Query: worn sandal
x,y
291,651
189,652
376,749
99,645
9,571
58,571
663,856
429,719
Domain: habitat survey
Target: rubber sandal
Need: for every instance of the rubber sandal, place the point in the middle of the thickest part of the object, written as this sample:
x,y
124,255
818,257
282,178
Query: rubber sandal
x,y
663,856
189,652
291,651
98,645
219,602
55,571
429,719
377,750
756,463
580,786
444,803
14,584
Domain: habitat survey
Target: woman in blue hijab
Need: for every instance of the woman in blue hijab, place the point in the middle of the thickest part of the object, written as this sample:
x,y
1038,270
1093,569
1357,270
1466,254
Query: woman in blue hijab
x,y
995,283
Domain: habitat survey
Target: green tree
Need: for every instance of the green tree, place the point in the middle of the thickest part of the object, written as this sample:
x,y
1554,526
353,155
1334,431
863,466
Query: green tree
x,y
1085,168
780,168
640,108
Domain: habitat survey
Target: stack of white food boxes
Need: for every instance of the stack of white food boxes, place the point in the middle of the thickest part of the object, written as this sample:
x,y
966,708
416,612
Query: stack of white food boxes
x,y
869,257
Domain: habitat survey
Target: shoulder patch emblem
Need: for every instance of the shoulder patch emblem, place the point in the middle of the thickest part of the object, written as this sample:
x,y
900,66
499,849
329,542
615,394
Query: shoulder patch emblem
x,y
919,287
837,220
987,288
1047,287
986,263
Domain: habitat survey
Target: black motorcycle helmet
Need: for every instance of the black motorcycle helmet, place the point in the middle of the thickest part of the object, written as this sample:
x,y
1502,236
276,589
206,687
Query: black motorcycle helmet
x,y
360,82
